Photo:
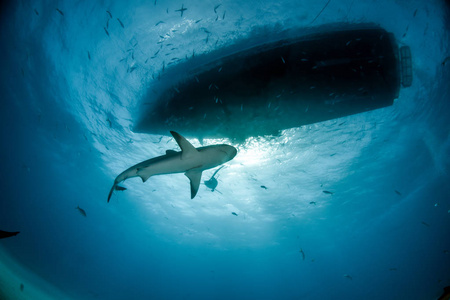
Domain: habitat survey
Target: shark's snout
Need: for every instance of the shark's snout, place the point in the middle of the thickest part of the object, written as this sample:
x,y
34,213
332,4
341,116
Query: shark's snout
x,y
231,152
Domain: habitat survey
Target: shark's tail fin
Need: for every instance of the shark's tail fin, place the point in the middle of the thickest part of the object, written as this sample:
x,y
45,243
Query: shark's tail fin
x,y
111,191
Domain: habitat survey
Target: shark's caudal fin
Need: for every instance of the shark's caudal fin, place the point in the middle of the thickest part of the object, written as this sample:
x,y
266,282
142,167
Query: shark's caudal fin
x,y
111,191
115,187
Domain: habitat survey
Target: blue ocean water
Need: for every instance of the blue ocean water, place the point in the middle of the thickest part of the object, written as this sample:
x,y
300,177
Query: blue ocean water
x,y
73,78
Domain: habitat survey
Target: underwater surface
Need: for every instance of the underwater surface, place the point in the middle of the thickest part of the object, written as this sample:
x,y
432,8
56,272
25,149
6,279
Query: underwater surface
x,y
350,208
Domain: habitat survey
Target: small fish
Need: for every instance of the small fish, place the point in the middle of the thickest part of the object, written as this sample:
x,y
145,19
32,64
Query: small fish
x,y
233,213
6,234
182,9
348,276
415,12
62,14
328,192
132,69
82,212
223,16
303,253
160,22
120,188
406,31
446,252
21,287
446,60
264,187
205,30
312,202
89,55
106,31
120,22
282,59
109,122
216,7
160,138
398,193
37,14
426,224
109,13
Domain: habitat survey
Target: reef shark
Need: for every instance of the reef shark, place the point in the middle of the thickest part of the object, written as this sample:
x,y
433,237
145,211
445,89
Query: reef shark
x,y
190,160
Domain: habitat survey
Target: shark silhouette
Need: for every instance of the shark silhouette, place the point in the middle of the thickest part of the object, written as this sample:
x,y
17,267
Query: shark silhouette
x,y
192,161
6,234
212,182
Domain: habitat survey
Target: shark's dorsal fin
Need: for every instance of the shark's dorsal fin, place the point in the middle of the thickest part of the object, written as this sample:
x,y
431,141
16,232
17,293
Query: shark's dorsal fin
x,y
169,152
195,178
188,150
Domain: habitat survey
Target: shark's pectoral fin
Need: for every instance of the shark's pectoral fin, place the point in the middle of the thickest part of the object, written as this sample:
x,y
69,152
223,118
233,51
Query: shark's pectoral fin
x,y
195,178
187,149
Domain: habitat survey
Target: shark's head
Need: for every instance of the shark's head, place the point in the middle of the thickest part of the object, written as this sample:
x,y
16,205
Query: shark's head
x,y
230,151
218,154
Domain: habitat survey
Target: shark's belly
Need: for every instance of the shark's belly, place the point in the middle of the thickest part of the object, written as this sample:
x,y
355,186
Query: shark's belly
x,y
170,166
176,164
